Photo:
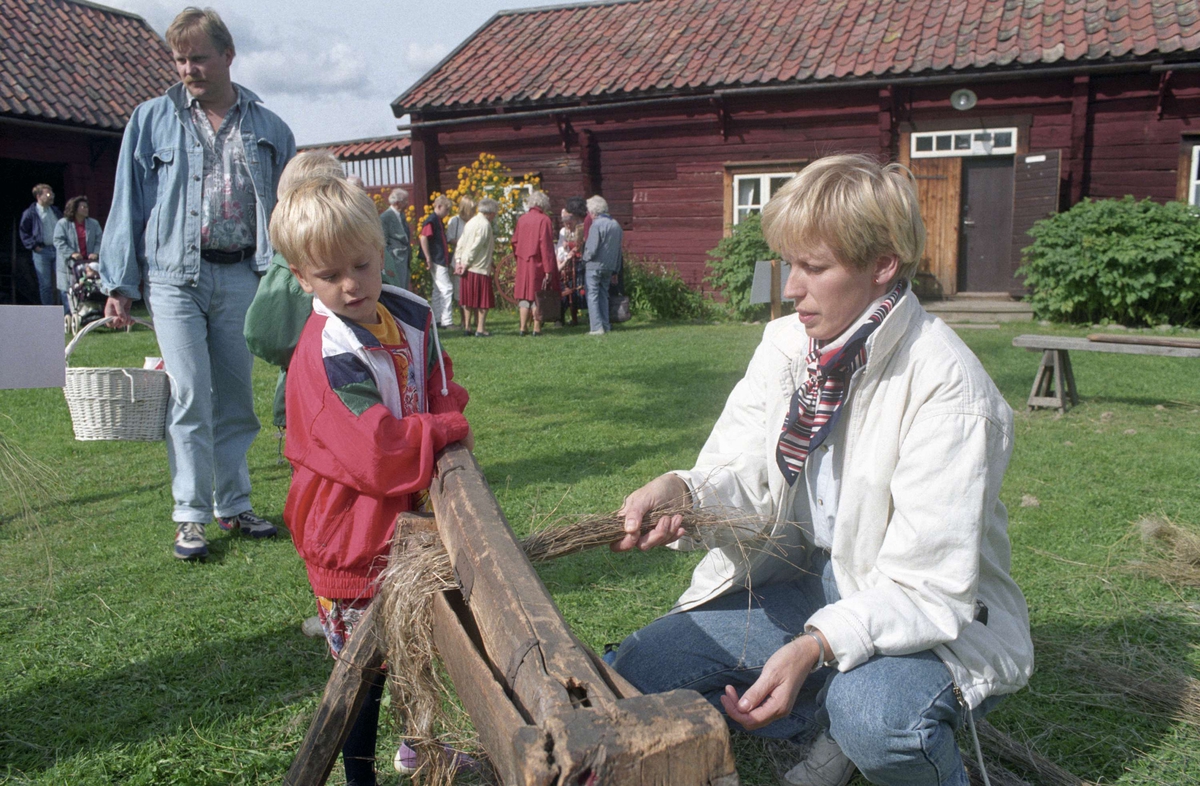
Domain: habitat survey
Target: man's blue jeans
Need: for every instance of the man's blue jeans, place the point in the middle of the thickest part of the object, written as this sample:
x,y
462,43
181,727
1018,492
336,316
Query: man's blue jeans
x,y
211,422
895,717
44,262
597,278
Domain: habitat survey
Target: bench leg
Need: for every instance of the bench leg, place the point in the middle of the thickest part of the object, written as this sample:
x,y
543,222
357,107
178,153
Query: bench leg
x,y
1054,384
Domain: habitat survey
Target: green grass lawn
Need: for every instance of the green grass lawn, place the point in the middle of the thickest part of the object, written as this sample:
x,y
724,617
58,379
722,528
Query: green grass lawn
x,y
119,664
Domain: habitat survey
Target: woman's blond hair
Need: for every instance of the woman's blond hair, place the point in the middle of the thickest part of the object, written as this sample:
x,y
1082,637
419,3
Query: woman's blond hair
x,y
466,208
859,208
324,218
442,200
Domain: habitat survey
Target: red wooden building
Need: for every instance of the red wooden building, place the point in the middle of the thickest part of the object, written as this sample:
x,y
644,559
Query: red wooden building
x,y
71,73
687,114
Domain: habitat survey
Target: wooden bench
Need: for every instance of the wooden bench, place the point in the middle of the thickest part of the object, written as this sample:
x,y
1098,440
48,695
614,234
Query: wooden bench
x,y
1054,385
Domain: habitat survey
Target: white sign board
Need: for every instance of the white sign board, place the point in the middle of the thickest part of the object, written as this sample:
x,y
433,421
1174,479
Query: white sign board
x,y
31,347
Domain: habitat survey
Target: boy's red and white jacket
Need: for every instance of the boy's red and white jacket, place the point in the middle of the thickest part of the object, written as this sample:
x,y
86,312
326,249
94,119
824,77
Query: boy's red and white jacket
x,y
357,462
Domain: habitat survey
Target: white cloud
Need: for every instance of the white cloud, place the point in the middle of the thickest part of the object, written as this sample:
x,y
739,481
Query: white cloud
x,y
424,56
307,68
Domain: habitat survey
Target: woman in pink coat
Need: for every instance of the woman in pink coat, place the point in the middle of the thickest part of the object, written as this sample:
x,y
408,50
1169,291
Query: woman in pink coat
x,y
537,268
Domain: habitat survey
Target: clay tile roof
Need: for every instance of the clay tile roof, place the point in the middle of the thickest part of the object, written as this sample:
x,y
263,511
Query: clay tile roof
x,y
359,149
78,63
615,49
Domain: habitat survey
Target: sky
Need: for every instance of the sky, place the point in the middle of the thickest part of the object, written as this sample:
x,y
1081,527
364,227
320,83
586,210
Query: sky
x,y
331,68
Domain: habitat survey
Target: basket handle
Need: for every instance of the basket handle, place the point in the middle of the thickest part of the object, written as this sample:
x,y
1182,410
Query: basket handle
x,y
92,326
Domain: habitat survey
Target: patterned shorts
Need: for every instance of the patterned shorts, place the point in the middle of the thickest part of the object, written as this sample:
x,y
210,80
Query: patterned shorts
x,y
339,617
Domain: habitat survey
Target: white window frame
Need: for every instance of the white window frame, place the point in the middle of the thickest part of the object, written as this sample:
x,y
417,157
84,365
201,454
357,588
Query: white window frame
x,y
1194,177
764,188
978,141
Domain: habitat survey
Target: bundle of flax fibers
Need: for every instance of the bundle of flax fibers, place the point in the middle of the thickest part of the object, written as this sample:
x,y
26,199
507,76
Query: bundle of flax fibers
x,y
422,699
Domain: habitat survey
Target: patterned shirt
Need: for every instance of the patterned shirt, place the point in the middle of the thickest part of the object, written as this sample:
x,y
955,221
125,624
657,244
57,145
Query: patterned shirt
x,y
227,201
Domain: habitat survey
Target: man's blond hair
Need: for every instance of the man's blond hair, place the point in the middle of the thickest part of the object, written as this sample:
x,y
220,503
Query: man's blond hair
x,y
204,20
861,210
324,218
310,163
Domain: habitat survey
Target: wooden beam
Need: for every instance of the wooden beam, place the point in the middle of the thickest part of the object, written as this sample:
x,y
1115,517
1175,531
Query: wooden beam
x,y
887,124
588,728
358,667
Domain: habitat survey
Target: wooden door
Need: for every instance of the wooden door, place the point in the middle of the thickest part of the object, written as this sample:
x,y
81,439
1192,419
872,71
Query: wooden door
x,y
984,263
939,183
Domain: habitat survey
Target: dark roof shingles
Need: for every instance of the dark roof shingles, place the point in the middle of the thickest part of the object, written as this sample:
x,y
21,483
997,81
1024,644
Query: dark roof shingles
x,y
654,46
95,84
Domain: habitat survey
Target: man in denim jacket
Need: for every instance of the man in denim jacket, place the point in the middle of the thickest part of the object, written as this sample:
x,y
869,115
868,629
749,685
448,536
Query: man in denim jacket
x,y
195,189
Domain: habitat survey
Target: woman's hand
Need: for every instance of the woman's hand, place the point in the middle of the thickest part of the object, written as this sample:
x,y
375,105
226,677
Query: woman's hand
x,y
468,441
774,692
662,491
76,256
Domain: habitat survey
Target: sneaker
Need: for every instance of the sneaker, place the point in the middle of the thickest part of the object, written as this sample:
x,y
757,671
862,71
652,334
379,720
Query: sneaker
x,y
408,761
248,524
825,765
189,541
596,332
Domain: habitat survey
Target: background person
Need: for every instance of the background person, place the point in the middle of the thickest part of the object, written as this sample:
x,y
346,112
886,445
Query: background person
x,y
569,251
199,166
397,240
474,260
76,239
436,251
454,230
537,267
601,259
37,235
873,442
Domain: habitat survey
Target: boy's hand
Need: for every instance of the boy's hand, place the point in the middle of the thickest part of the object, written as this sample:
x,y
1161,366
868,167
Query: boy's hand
x,y
468,441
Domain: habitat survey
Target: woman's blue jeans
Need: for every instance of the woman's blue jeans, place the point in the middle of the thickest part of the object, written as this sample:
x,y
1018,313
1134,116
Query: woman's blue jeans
x,y
895,717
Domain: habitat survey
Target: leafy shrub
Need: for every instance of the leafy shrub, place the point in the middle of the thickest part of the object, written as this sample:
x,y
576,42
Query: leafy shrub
x,y
731,268
660,292
1135,263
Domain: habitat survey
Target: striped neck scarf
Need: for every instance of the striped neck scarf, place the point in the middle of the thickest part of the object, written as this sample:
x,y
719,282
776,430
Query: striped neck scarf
x,y
817,404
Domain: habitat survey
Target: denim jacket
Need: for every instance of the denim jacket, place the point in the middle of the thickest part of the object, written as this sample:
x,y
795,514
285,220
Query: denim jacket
x,y
154,225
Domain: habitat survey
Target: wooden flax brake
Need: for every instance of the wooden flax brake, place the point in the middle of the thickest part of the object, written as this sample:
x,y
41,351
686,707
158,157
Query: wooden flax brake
x,y
1054,384
547,710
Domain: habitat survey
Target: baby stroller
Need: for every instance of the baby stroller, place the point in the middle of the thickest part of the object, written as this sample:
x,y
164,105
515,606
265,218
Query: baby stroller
x,y
84,297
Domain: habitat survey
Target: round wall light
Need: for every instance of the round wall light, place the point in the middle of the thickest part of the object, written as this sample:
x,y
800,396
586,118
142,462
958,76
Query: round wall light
x,y
963,99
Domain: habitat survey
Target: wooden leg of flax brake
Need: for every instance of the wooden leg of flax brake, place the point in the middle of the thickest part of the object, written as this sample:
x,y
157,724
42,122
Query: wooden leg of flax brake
x,y
1041,380
358,668
1069,376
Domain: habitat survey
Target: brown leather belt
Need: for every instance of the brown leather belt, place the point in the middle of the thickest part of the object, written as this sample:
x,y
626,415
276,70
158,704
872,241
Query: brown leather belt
x,y
226,257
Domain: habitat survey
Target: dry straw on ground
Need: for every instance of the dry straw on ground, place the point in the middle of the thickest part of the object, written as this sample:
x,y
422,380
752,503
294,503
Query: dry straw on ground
x,y
1174,551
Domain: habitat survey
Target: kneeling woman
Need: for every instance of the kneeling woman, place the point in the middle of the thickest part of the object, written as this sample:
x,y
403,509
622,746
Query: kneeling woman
x,y
880,615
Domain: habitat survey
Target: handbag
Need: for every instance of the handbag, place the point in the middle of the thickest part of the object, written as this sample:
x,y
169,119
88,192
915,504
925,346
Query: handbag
x,y
618,308
550,304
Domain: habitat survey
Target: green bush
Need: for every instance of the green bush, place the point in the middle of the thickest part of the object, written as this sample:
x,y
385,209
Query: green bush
x,y
1134,263
731,268
660,292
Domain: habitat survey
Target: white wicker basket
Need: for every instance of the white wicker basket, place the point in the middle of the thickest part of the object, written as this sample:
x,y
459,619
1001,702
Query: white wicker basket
x,y
116,403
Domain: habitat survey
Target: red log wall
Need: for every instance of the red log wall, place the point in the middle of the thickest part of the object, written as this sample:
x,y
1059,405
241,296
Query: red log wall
x,y
663,171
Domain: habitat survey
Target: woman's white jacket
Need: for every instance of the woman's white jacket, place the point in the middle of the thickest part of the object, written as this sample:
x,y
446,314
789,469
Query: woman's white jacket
x,y
920,533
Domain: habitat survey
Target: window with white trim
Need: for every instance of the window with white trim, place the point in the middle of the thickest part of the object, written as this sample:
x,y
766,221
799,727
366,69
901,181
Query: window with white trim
x,y
1194,179
964,142
751,192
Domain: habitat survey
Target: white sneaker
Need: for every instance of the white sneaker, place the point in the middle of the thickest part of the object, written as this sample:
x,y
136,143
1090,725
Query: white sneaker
x,y
825,765
312,628
189,541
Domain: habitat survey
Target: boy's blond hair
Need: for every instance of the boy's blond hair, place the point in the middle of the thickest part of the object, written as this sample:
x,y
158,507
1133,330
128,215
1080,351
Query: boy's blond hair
x,y
322,218
192,20
442,201
860,209
308,164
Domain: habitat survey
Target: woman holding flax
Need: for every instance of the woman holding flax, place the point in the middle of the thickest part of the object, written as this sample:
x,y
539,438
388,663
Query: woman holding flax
x,y
879,615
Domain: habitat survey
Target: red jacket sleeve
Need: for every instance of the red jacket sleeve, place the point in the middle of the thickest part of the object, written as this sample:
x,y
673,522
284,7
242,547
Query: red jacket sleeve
x,y
374,452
